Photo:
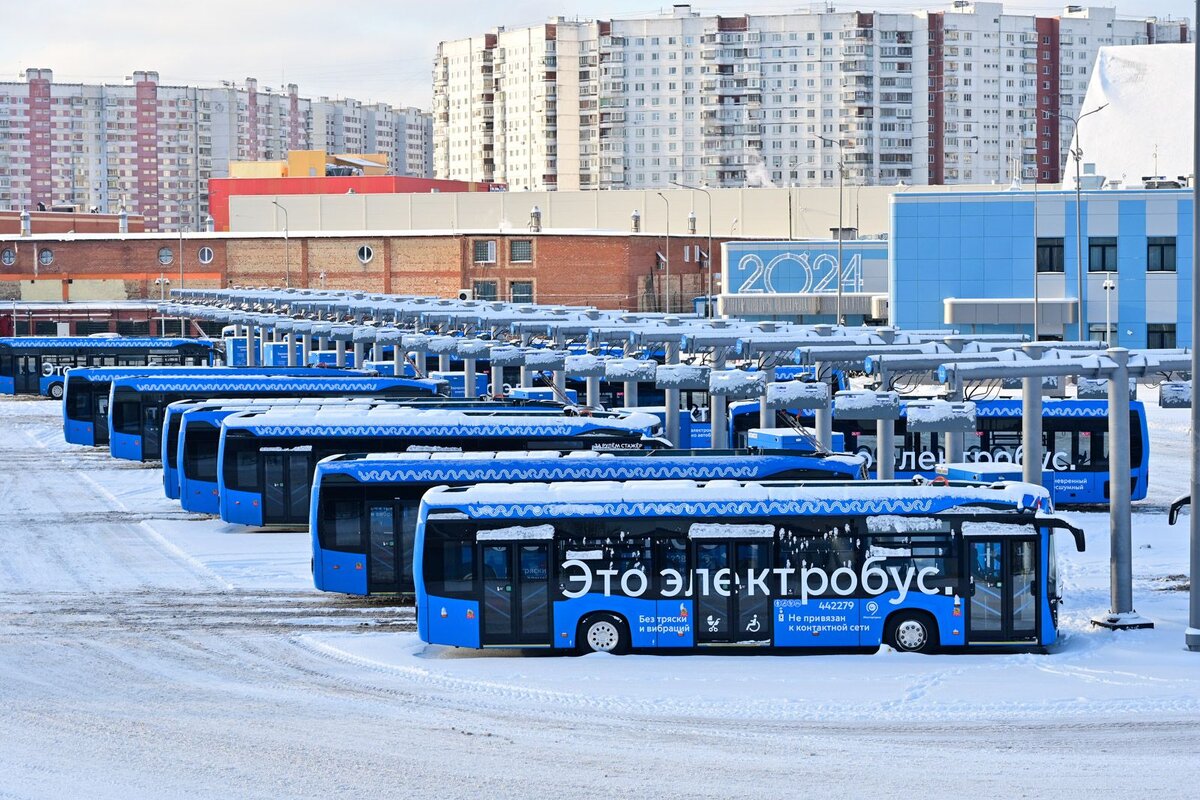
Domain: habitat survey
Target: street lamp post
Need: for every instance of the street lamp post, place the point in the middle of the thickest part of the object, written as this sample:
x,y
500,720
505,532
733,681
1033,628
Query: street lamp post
x,y
711,307
841,164
287,264
1109,285
1192,633
667,255
182,324
1077,153
162,282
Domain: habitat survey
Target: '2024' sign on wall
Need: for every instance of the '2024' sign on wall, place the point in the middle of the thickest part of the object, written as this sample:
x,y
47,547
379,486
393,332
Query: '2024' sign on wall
x,y
795,273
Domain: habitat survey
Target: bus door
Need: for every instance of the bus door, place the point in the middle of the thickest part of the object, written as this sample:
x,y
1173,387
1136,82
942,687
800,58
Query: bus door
x,y
287,477
1003,589
731,607
28,375
516,592
151,430
391,531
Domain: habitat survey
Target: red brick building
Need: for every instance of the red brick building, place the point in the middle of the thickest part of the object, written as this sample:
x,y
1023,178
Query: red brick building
x,y
604,269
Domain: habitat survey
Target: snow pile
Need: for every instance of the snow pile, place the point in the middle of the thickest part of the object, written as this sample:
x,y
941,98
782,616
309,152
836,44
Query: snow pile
x,y
473,348
443,345
630,369
545,359
516,532
1175,394
737,383
941,415
418,342
682,376
797,395
865,404
506,356
585,366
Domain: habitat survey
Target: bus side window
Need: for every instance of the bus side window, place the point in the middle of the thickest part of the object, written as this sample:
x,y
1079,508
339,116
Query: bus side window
x,y
343,519
449,562
826,547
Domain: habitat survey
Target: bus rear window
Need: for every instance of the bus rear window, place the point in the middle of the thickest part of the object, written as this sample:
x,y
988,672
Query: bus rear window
x,y
127,416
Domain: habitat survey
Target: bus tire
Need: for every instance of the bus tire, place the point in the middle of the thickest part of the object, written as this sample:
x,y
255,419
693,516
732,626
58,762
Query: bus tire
x,y
912,632
602,633
56,391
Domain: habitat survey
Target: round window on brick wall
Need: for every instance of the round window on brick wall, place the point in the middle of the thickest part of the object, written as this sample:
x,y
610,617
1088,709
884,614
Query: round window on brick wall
x,y
8,257
205,255
365,254
46,256
165,256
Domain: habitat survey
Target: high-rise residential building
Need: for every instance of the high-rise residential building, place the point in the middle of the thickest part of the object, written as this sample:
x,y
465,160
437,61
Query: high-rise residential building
x,y
967,95
150,148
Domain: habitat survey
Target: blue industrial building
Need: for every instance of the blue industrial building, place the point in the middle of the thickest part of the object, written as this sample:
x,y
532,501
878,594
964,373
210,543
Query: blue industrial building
x,y
968,260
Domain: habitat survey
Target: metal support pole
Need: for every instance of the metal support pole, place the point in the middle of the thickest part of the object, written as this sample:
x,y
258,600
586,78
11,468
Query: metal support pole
x,y
469,377
1118,478
631,394
443,362
340,347
526,377
824,417
718,411
885,440
672,399
1192,634
398,359
766,417
954,441
306,341
559,377
265,339
251,348
593,391
291,347
359,351
1031,422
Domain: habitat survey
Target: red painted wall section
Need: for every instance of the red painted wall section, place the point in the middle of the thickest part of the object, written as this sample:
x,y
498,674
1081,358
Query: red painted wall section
x,y
221,189
39,142
1047,100
147,150
937,101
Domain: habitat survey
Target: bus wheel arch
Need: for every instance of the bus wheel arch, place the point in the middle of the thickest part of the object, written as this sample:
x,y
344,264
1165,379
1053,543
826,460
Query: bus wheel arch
x,y
602,632
912,631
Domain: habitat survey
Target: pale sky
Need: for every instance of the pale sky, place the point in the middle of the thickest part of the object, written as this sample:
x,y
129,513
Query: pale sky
x,y
366,49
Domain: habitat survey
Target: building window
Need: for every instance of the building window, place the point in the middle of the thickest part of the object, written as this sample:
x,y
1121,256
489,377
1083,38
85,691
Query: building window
x,y
520,250
46,256
1160,335
205,255
521,291
365,254
1050,254
8,257
1160,254
484,290
1102,254
165,256
485,251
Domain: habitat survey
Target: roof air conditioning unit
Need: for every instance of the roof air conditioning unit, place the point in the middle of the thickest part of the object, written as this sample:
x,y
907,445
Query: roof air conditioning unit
x,y
465,294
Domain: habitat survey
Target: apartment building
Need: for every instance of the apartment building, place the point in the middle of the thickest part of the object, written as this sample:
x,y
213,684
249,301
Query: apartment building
x,y
150,148
967,95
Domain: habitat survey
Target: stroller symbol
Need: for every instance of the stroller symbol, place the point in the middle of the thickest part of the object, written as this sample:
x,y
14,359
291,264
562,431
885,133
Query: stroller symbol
x,y
714,623
753,625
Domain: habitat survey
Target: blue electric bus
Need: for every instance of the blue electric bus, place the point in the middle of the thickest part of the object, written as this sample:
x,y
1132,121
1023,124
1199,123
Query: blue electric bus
x,y
136,404
208,414
679,564
194,432
1074,441
364,506
266,460
86,391
37,364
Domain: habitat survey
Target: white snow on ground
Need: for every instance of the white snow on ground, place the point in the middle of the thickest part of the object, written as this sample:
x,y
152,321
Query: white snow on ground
x,y
145,653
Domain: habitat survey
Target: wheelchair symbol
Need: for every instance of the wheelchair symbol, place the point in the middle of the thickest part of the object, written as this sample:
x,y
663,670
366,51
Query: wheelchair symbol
x,y
754,625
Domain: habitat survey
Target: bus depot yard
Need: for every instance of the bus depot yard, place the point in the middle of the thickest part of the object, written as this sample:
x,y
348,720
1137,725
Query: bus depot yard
x,y
150,651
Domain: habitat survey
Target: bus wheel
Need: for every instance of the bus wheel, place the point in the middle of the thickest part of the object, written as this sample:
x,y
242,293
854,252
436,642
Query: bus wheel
x,y
603,633
912,632
56,391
